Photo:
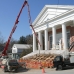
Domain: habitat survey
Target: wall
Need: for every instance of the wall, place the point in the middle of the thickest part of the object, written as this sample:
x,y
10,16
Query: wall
x,y
72,36
59,35
14,50
20,50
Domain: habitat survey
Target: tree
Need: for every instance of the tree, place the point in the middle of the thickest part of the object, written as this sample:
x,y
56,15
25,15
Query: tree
x,y
1,42
26,40
29,39
26,51
22,40
1,39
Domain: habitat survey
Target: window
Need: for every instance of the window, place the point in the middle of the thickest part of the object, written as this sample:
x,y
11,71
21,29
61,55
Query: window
x,y
50,41
68,38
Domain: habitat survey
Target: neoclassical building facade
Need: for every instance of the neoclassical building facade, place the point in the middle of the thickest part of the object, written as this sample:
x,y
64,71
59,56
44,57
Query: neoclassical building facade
x,y
54,27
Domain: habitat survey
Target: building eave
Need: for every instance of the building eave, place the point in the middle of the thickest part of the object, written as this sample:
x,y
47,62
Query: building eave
x,y
68,7
57,17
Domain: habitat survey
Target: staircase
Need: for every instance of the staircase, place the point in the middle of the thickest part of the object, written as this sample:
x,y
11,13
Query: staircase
x,y
39,61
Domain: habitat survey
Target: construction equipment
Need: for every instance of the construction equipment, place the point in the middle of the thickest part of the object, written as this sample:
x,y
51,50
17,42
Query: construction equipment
x,y
6,61
15,26
10,64
64,60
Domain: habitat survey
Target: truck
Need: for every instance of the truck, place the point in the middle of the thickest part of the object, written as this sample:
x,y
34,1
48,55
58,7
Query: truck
x,y
64,60
9,63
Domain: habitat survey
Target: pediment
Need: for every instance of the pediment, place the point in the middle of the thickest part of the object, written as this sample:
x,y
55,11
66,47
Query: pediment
x,y
51,11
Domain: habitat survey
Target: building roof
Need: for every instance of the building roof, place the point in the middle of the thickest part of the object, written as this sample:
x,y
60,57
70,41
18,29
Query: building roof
x,y
64,8
22,46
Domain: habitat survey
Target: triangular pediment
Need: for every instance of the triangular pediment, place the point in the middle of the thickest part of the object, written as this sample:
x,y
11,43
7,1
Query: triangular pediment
x,y
51,11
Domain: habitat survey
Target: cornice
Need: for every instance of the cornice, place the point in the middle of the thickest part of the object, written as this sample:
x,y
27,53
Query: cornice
x,y
67,7
57,17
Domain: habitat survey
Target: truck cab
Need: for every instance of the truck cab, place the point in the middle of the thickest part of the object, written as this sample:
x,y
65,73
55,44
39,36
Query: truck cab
x,y
60,62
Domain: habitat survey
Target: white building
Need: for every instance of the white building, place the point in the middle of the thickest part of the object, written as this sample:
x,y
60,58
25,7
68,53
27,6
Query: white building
x,y
18,48
55,24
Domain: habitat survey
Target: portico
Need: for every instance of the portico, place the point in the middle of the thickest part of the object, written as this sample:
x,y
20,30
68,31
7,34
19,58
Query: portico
x,y
58,26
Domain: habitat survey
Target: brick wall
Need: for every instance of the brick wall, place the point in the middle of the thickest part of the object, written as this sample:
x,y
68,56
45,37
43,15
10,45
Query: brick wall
x,y
71,33
72,36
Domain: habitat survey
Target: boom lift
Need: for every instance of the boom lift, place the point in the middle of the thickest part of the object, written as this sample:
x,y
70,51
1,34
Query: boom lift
x,y
15,26
8,63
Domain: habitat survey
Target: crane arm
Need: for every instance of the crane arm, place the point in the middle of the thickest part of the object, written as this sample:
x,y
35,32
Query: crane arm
x,y
15,26
13,29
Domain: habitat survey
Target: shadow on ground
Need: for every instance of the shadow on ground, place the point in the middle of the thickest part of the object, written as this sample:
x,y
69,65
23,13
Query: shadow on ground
x,y
69,67
20,70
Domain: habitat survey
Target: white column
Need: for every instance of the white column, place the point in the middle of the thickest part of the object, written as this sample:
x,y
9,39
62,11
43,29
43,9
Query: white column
x,y
64,36
34,42
46,39
40,39
54,37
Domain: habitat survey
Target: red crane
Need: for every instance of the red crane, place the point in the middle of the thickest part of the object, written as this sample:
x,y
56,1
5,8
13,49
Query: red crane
x,y
4,52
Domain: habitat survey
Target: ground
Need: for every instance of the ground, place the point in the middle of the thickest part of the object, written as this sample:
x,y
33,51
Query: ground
x,y
39,71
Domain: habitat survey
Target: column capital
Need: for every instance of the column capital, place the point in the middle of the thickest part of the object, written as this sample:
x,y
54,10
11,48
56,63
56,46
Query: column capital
x,y
39,31
72,25
54,26
46,29
65,23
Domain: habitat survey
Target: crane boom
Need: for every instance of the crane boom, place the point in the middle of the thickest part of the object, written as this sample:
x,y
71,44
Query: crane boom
x,y
13,29
15,26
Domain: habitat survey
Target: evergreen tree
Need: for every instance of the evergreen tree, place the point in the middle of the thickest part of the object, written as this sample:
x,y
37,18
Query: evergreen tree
x,y
22,40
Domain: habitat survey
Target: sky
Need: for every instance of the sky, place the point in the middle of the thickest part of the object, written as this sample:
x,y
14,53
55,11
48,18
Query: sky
x,y
9,10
